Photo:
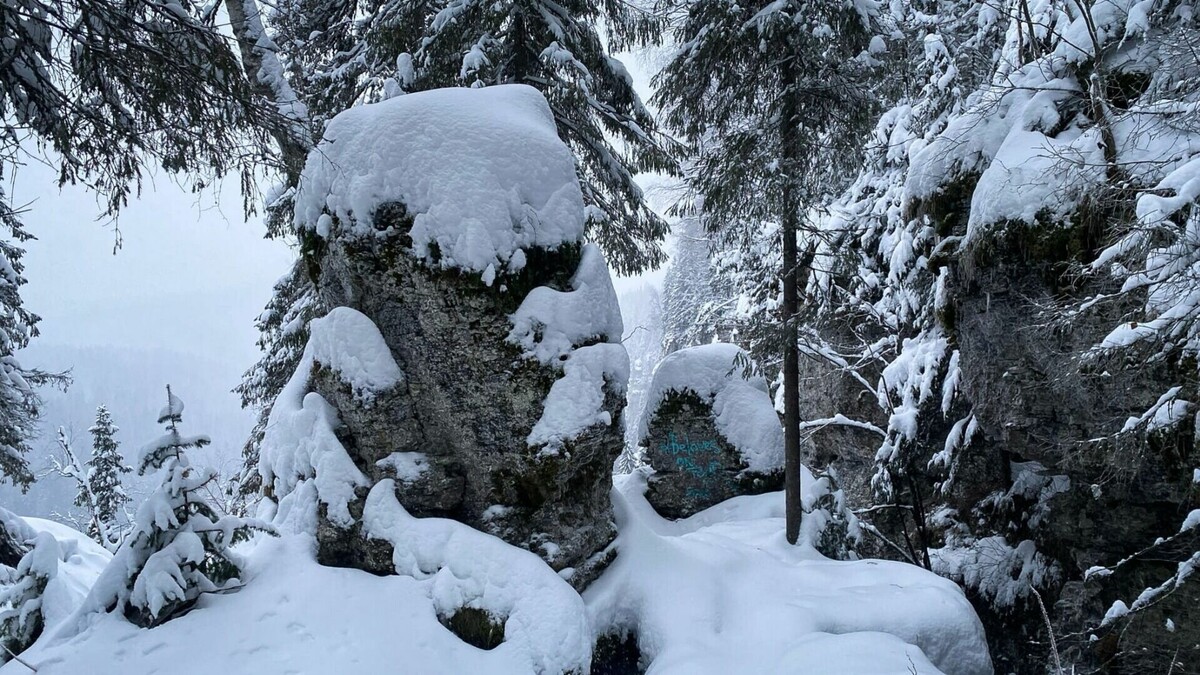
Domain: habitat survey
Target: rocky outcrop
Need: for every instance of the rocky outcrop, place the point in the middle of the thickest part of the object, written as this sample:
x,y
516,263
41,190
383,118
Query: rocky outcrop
x,y
454,436
471,355
1042,398
1041,485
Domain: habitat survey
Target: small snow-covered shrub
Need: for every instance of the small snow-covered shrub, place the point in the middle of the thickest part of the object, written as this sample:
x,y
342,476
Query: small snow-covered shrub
x,y
21,619
179,548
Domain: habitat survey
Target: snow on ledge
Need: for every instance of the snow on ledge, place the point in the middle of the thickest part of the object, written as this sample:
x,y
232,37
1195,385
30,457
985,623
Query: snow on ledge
x,y
545,623
350,344
300,444
549,324
741,406
482,171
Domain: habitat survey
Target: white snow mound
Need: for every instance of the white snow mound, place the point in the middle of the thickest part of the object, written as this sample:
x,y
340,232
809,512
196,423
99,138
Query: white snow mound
x,y
742,408
350,344
293,616
482,171
723,592
545,625
80,562
719,592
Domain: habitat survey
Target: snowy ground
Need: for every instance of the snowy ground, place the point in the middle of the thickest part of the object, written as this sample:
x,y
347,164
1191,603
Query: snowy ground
x,y
723,592
719,592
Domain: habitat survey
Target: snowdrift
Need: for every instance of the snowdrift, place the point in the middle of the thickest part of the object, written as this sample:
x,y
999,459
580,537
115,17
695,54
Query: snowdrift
x,y
719,592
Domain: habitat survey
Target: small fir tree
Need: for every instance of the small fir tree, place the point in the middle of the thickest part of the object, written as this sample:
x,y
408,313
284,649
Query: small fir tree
x,y
178,548
21,620
104,478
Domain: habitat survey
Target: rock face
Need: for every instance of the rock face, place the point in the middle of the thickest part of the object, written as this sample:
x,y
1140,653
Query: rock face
x,y
471,354
454,435
1044,487
699,410
1115,496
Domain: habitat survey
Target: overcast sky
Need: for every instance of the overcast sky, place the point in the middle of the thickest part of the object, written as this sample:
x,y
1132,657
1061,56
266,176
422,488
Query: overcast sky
x,y
189,276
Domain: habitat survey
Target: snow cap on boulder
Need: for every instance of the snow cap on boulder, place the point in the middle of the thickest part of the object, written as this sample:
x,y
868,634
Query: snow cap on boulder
x,y
481,172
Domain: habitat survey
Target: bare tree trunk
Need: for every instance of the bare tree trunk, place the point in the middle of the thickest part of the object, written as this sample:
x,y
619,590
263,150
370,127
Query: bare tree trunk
x,y
790,221
245,20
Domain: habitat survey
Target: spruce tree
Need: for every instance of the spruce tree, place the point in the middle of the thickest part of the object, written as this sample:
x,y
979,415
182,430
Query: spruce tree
x,y
772,99
104,472
697,302
283,333
104,91
178,547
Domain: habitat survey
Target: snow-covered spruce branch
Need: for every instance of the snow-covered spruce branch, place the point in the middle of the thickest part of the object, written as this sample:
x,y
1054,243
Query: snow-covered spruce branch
x,y
841,420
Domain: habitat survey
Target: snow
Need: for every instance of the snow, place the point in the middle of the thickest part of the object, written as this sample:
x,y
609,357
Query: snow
x,y
1167,412
549,324
723,592
79,565
999,571
408,466
741,406
296,617
174,407
545,626
68,561
161,580
350,344
482,172
1118,610
300,443
1192,520
718,592
576,400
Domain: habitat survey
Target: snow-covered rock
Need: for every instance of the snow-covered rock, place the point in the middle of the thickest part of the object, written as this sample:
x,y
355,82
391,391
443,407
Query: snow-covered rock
x,y
481,172
709,430
474,354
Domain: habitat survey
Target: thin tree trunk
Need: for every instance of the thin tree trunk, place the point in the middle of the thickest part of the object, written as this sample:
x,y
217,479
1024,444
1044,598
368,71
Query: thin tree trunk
x,y
245,20
793,509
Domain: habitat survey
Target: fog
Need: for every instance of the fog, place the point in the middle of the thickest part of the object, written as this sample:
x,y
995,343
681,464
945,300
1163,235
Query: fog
x,y
174,305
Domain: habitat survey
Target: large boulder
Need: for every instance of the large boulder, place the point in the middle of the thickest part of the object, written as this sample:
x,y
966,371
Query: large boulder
x,y
709,431
451,223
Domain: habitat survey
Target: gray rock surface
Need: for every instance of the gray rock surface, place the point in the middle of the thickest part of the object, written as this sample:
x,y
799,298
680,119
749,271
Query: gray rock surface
x,y
467,404
694,466
1038,402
